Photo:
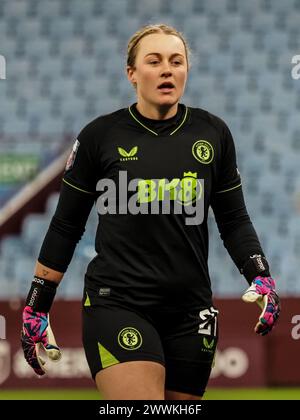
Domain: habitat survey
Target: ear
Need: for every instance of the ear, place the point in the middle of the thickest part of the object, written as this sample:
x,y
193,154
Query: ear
x,y
131,74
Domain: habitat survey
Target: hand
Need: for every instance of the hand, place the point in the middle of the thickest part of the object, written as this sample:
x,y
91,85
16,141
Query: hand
x,y
262,291
37,336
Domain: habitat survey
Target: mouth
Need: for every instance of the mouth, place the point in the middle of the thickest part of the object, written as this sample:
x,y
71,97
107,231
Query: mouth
x,y
166,87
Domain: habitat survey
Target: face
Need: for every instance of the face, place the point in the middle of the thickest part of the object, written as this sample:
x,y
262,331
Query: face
x,y
160,71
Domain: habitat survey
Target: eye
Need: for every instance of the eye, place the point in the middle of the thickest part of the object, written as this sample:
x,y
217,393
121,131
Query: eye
x,y
177,62
154,62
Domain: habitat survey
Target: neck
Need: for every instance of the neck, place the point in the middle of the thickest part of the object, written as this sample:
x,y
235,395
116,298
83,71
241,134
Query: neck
x,y
156,112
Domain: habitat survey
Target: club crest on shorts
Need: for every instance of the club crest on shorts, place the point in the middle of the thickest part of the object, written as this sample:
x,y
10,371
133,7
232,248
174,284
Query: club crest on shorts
x,y
130,338
71,158
203,151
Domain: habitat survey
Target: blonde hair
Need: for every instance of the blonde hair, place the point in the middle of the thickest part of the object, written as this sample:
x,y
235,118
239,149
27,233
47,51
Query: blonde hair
x,y
132,47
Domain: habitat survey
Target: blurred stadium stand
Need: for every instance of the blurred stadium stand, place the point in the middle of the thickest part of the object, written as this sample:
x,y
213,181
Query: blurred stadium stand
x,y
66,65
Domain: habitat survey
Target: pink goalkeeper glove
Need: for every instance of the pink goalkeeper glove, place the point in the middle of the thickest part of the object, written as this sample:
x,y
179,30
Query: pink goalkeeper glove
x,y
36,337
262,291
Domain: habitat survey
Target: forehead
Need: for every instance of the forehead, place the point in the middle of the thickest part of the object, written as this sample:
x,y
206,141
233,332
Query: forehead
x,y
161,44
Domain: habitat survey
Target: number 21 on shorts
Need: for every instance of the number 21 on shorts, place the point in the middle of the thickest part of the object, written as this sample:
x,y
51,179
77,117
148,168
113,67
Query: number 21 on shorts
x,y
209,322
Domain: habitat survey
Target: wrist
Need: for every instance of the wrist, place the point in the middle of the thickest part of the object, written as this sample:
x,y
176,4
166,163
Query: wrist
x,y
268,283
255,266
28,310
41,295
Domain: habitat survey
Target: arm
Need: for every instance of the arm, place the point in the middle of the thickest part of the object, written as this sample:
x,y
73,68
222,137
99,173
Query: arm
x,y
65,230
240,238
241,241
237,232
47,273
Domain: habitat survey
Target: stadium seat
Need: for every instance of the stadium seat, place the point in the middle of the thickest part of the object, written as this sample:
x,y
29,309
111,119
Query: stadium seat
x,y
66,65
34,229
51,204
15,8
114,9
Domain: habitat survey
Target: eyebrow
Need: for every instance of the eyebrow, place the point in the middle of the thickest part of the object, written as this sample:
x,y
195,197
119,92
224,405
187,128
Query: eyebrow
x,y
156,53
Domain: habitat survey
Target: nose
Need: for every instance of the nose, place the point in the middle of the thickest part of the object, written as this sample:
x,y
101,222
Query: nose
x,y
166,70
166,73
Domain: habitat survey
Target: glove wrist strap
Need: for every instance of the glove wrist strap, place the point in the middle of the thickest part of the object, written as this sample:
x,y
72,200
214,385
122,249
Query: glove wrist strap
x,y
41,294
256,265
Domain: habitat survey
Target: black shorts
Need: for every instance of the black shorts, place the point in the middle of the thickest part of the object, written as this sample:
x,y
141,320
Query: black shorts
x,y
184,343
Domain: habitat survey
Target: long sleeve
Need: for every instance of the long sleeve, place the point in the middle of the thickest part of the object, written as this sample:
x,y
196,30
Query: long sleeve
x,y
77,196
66,228
234,224
235,227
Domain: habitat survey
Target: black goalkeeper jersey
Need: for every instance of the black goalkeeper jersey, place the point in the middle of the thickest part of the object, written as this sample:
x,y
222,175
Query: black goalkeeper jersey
x,y
155,259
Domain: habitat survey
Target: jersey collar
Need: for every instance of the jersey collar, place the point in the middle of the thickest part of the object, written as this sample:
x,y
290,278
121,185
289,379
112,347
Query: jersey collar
x,y
154,132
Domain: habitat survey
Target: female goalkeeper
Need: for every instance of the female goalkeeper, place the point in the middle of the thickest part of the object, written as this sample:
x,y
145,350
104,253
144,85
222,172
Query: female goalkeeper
x,y
149,324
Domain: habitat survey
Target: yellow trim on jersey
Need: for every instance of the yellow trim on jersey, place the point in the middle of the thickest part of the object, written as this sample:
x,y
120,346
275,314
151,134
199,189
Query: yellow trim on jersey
x,y
182,122
229,189
153,132
76,188
134,117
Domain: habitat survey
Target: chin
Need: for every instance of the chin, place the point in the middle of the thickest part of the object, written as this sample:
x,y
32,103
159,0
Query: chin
x,y
168,101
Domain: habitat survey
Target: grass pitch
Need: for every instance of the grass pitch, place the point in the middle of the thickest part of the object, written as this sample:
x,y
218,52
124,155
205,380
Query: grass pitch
x,y
211,394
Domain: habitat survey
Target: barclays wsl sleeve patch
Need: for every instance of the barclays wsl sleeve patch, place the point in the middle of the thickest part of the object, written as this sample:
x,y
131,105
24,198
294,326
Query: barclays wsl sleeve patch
x,y
71,158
